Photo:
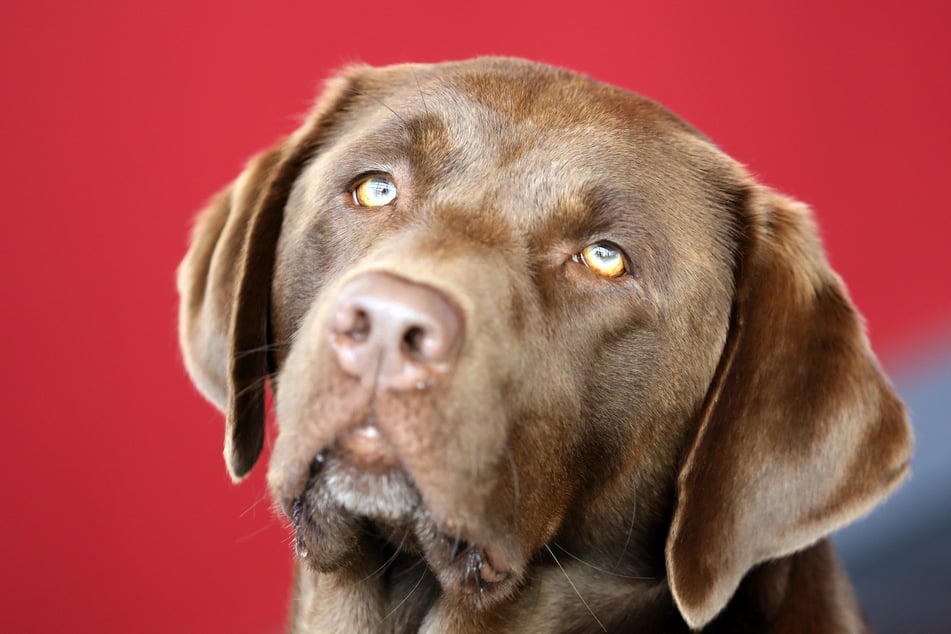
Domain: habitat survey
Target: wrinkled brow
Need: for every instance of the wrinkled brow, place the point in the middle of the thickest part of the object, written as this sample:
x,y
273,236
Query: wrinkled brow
x,y
423,139
599,212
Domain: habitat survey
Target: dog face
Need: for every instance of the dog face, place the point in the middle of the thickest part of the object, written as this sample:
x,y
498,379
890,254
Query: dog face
x,y
494,299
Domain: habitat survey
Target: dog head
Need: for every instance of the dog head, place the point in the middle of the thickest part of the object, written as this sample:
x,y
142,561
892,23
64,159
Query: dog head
x,y
493,297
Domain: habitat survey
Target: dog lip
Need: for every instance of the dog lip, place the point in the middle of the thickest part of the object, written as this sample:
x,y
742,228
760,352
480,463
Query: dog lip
x,y
495,564
473,566
478,571
492,570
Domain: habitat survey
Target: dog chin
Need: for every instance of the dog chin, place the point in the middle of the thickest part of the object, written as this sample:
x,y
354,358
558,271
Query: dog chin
x,y
387,496
342,502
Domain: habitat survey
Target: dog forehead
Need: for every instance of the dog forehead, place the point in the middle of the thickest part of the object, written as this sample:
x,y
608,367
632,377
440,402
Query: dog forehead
x,y
508,109
519,90
508,130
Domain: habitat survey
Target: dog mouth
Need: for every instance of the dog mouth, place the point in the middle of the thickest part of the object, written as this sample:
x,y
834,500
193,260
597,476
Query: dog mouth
x,y
358,494
468,569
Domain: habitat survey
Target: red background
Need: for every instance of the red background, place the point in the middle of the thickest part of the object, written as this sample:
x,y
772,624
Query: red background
x,y
119,119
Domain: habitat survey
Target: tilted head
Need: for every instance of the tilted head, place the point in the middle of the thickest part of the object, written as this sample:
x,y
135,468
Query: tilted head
x,y
487,292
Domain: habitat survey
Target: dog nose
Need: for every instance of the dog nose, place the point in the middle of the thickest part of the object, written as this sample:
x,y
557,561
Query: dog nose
x,y
394,333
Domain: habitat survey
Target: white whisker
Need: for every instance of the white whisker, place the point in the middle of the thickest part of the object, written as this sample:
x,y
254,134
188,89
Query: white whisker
x,y
389,561
603,570
630,529
406,598
252,534
573,587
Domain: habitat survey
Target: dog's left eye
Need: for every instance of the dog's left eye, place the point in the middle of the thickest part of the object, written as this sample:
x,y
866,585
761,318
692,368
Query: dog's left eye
x,y
376,191
603,258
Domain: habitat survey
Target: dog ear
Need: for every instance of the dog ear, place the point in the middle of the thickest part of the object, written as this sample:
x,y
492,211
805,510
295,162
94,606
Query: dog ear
x,y
224,282
801,432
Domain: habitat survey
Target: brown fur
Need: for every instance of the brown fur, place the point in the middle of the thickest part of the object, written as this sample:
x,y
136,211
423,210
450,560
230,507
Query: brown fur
x,y
664,451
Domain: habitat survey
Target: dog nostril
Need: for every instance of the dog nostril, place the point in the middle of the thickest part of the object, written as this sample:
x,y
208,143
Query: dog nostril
x,y
413,341
352,322
360,328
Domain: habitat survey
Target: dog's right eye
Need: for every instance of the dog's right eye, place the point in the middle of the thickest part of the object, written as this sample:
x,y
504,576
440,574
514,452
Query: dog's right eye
x,y
375,191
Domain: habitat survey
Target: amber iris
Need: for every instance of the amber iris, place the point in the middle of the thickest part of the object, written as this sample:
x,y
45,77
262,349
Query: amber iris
x,y
375,191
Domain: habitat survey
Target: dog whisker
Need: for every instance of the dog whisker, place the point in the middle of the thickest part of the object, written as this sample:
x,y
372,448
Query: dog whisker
x,y
630,528
291,540
264,497
252,507
603,570
573,587
419,91
455,547
269,347
256,384
254,533
407,597
386,564
379,101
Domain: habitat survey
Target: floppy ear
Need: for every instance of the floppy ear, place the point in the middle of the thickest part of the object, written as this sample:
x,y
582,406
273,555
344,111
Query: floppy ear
x,y
801,432
224,282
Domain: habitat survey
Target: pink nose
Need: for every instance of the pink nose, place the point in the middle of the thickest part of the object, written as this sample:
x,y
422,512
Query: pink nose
x,y
393,333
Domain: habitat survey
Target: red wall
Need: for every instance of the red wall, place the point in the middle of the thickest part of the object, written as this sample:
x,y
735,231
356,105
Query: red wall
x,y
119,119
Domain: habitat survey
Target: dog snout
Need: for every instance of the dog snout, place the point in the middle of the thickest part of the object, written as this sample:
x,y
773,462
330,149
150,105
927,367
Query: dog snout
x,y
395,334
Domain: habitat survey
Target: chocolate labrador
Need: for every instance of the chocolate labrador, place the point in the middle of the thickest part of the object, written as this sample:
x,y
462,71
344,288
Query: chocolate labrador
x,y
544,359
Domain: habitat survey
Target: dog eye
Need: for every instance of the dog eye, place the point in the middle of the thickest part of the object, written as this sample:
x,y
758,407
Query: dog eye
x,y
375,191
603,258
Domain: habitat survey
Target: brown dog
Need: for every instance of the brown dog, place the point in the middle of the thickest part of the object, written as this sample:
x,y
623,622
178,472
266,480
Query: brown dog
x,y
544,359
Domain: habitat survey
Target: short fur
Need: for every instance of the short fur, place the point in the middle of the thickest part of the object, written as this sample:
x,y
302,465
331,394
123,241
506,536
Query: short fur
x,y
665,451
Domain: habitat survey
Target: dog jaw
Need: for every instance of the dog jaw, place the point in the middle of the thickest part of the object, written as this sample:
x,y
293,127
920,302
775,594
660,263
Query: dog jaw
x,y
342,503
